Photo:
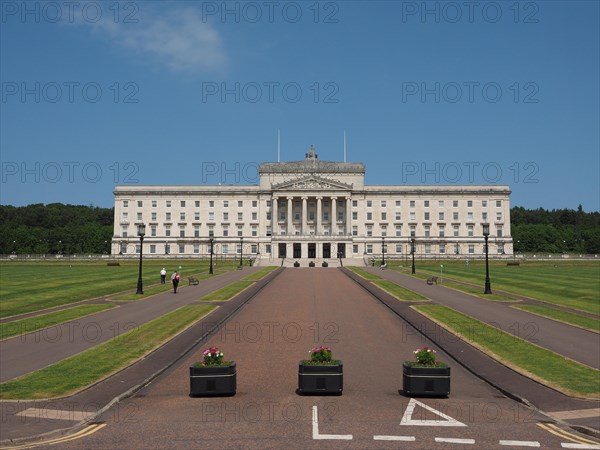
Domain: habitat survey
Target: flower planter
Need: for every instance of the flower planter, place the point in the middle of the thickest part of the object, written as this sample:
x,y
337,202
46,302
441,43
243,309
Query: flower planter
x,y
296,264
324,264
321,379
210,381
311,264
426,381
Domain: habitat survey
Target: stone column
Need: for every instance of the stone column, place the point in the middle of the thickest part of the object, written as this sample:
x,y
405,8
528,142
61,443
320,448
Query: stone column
x,y
274,214
318,229
304,216
333,216
289,216
348,215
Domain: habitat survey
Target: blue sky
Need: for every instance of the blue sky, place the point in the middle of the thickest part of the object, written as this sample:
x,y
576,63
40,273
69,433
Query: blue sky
x,y
102,94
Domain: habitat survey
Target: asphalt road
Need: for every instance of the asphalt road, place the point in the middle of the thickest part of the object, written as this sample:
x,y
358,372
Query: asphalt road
x,y
300,309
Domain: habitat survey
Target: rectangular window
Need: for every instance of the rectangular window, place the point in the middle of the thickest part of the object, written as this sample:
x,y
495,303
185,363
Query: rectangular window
x,y
196,231
441,231
240,230
455,203
455,230
211,231
182,203
152,248
383,216
369,230
427,231
153,230
326,215
455,215
254,203
426,215
354,215
253,249
369,203
168,203
428,249
442,249
412,203
125,203
484,216
384,231
197,215
139,217
268,203
181,248
369,249
225,216
196,248
240,203
254,230
369,215
413,216
498,216
398,215
397,203
211,216
354,231
124,231
470,216
225,203
167,249
398,248
225,231
268,249
383,203
355,249
426,204
398,231
240,216
167,230
440,216
211,203
181,216
154,203
470,231
471,249
153,216
197,203
168,216
484,203
354,203
140,203
440,203
498,203
498,231
182,231
469,203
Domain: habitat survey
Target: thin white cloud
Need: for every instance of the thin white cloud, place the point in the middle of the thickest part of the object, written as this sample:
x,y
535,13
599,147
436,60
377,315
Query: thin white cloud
x,y
179,40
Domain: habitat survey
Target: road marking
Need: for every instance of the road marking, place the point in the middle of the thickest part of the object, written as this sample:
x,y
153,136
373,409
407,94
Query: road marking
x,y
408,420
455,440
520,443
315,429
551,428
55,414
582,446
91,429
394,438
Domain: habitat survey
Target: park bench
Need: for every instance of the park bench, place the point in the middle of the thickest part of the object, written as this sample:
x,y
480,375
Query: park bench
x,y
432,280
192,280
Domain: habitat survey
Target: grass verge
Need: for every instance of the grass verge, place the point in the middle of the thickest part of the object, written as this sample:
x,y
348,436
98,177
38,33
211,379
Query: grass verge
x,y
31,324
79,371
577,320
148,292
227,292
535,362
259,274
363,273
477,291
401,293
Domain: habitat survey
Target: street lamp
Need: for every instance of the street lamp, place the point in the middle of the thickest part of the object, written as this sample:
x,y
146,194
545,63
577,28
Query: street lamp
x,y
241,250
412,250
486,234
141,231
382,251
210,268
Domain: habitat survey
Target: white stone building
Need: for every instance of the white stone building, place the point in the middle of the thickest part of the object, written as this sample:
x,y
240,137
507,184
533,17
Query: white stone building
x,y
313,210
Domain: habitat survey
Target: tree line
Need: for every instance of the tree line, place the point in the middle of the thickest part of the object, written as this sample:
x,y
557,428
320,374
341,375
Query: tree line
x,y
75,229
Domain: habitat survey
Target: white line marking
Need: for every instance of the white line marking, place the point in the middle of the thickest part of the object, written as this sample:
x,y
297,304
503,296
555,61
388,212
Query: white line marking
x,y
408,420
315,429
55,414
582,446
455,440
520,443
394,438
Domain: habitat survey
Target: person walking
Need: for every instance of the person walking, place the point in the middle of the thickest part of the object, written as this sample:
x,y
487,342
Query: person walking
x,y
175,281
163,276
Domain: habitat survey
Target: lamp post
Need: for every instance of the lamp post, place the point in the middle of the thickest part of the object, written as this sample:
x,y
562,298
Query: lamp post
x,y
241,250
210,268
486,234
382,251
141,231
412,250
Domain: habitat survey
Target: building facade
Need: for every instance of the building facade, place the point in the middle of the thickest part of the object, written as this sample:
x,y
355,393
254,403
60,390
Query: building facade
x,y
315,210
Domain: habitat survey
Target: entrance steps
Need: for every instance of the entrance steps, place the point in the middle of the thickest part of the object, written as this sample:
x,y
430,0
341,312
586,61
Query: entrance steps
x,y
304,262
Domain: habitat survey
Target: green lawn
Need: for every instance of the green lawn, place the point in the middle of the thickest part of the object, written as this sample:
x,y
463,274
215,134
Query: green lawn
x,y
23,326
363,273
548,367
571,284
33,286
77,372
401,293
227,292
263,272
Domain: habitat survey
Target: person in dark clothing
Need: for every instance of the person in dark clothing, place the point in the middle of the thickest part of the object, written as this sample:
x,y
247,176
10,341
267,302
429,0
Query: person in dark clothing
x,y
175,281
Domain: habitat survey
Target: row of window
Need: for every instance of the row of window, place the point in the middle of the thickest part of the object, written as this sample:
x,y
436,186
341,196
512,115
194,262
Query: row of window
x,y
426,203
183,203
240,203
430,249
168,249
427,216
196,231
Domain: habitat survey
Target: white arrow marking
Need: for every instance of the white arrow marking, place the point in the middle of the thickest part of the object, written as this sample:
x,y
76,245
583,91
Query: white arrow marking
x,y
408,420
315,429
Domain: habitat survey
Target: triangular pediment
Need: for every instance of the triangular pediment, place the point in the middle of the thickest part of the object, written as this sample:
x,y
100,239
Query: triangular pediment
x,y
312,183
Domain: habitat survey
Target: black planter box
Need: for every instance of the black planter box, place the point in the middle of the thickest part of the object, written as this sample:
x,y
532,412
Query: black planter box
x,y
213,381
321,380
426,381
